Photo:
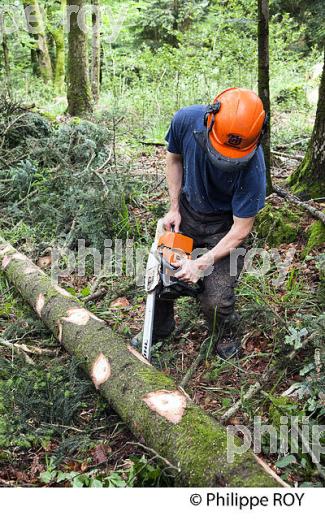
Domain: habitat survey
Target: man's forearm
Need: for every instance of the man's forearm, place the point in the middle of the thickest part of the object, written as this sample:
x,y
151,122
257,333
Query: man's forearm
x,y
228,243
174,174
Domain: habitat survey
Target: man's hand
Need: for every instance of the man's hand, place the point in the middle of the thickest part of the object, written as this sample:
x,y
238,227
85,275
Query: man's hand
x,y
172,218
189,271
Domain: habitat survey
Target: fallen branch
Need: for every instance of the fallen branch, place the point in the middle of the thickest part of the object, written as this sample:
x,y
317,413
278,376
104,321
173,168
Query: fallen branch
x,y
316,213
253,390
95,296
25,350
297,157
271,472
18,349
158,412
198,360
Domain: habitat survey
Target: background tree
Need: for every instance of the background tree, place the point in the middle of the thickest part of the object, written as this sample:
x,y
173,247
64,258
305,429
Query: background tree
x,y
264,80
79,91
309,178
40,55
5,52
96,49
56,29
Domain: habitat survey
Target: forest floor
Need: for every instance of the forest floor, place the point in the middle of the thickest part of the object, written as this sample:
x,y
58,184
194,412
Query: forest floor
x,y
55,430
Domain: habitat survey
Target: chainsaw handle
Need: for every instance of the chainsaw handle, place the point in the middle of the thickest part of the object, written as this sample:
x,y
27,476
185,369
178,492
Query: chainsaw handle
x,y
194,289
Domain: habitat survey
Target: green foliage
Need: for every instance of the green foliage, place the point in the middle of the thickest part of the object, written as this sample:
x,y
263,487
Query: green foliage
x,y
140,473
34,400
65,161
311,14
164,21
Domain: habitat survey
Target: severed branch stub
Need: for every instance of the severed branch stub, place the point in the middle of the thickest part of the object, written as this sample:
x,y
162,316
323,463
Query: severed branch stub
x,y
170,405
100,371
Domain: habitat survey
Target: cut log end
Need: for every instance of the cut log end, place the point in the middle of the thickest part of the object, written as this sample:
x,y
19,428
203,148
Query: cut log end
x,y
169,404
101,371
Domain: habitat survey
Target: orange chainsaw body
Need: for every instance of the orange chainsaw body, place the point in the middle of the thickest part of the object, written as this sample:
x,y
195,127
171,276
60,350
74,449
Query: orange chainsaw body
x,y
175,246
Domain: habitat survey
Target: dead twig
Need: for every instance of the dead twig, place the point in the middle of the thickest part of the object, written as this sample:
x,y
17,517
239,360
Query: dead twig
x,y
96,296
157,456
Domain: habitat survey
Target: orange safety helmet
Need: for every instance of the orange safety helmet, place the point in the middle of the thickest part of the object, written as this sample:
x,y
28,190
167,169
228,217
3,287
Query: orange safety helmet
x,y
235,121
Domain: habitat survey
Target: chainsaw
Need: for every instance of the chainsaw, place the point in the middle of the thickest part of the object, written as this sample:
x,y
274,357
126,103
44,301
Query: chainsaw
x,y
160,282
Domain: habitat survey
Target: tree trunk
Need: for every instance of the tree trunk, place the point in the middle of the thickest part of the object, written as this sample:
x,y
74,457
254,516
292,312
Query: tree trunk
x,y
6,61
41,60
264,81
96,50
154,408
58,37
309,178
79,91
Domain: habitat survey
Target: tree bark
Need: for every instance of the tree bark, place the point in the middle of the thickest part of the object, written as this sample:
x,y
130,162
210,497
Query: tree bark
x,y
309,179
6,61
40,56
154,408
264,81
79,91
96,50
58,37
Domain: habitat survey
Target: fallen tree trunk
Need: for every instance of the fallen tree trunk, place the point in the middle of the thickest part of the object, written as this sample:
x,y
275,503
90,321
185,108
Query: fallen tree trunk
x,y
156,411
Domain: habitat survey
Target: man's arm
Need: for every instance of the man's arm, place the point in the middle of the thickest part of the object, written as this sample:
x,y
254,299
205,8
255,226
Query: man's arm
x,y
191,270
174,174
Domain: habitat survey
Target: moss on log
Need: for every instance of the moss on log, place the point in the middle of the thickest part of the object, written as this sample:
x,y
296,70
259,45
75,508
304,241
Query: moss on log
x,y
154,408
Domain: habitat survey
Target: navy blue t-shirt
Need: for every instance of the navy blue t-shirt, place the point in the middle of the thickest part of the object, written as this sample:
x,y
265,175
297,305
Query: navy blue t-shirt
x,y
207,189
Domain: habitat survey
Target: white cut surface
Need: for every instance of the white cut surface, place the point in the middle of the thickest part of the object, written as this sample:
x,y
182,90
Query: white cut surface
x,y
60,328
40,302
6,261
77,316
101,370
138,355
167,403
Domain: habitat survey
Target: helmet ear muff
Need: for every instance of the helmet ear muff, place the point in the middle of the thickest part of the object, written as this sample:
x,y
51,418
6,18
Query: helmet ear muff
x,y
211,109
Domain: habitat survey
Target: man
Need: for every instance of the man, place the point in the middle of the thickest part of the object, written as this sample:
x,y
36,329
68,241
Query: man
x,y
217,184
